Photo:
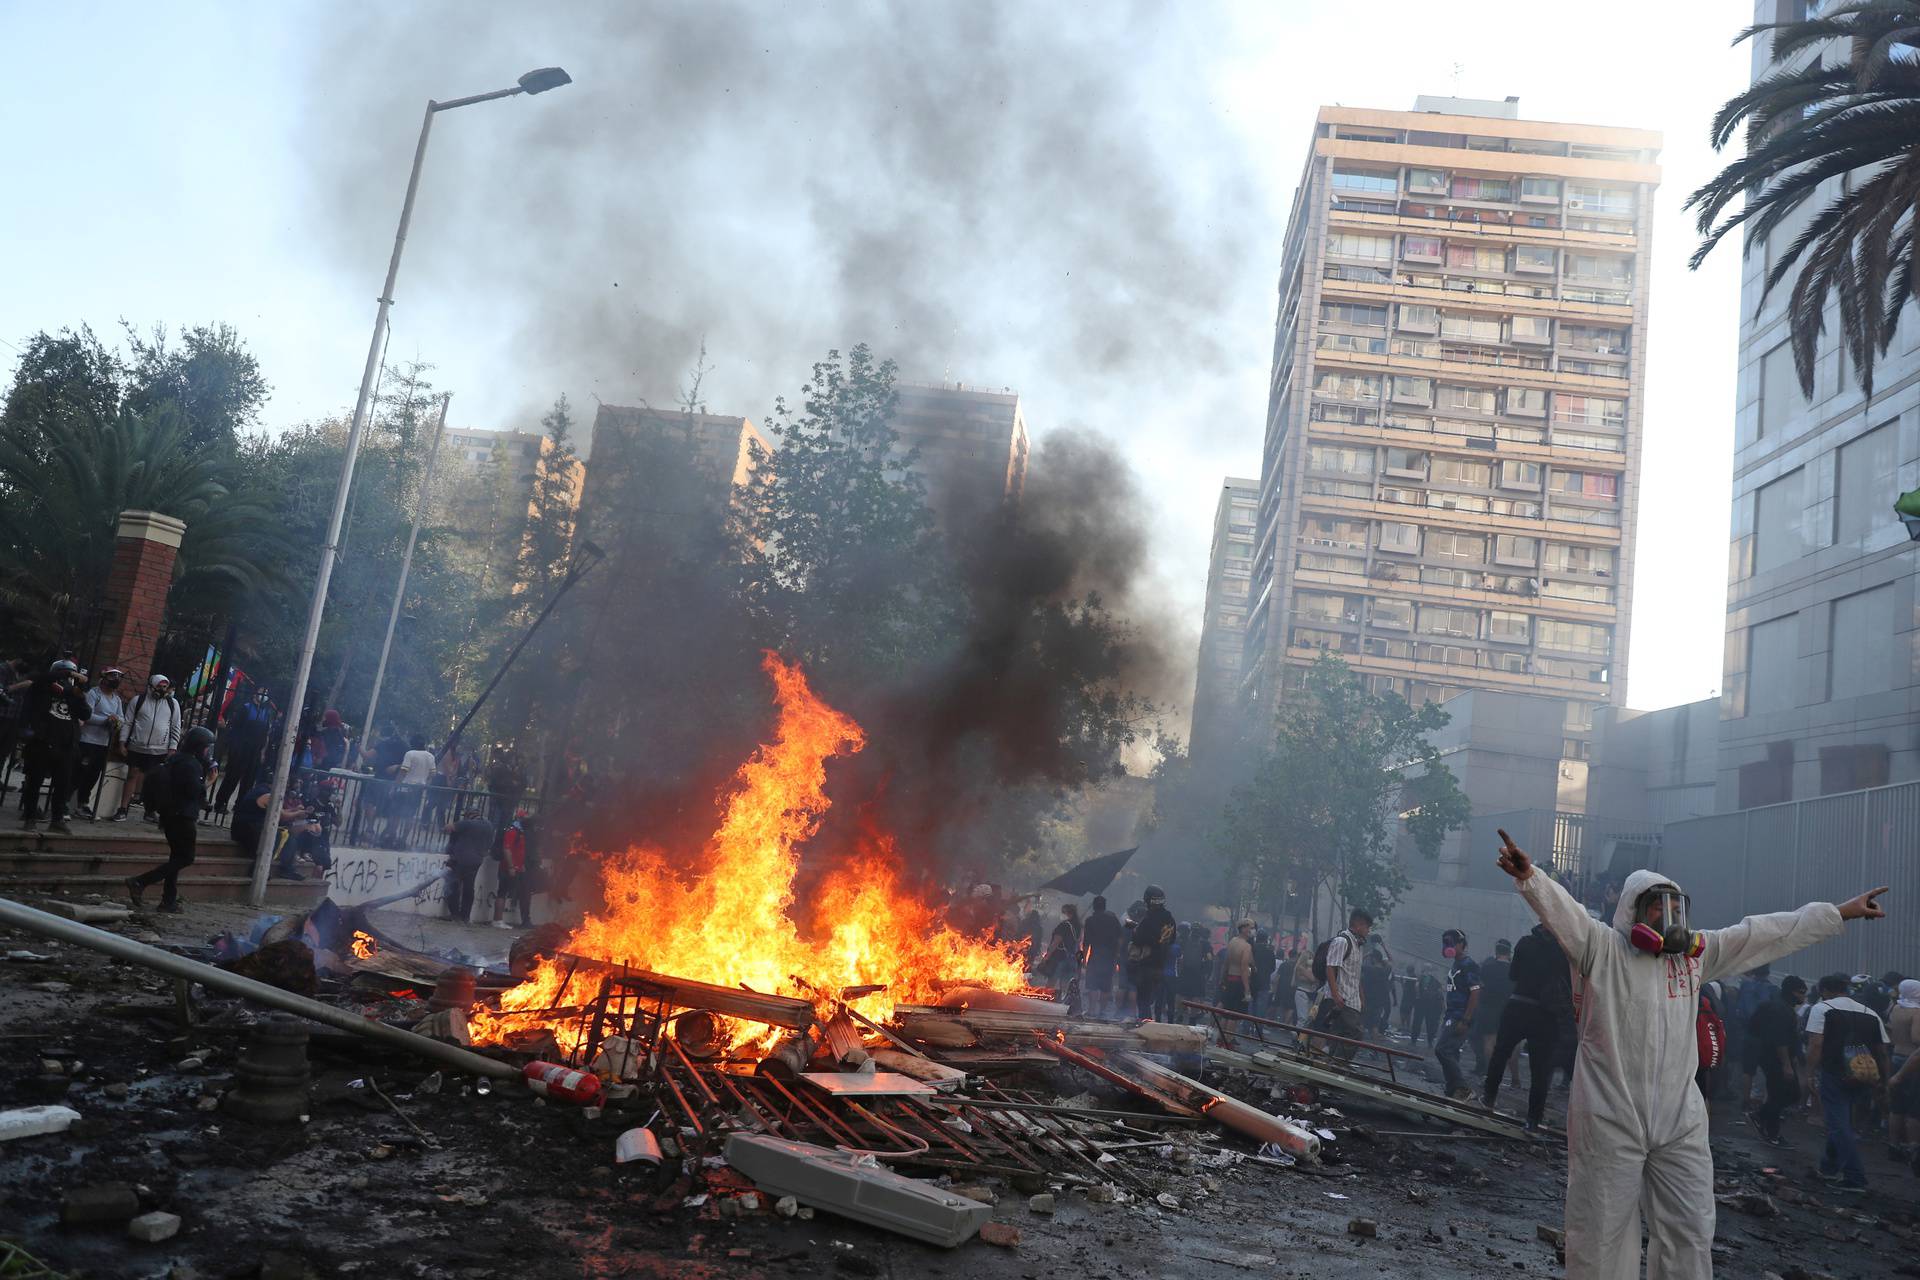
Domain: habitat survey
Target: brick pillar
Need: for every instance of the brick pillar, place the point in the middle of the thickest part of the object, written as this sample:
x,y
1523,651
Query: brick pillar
x,y
143,555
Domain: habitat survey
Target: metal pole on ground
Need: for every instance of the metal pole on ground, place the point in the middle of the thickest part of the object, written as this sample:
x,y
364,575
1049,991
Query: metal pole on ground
x,y
406,567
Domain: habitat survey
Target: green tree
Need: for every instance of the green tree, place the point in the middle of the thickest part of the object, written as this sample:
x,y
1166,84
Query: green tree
x,y
1346,768
553,506
209,376
1850,112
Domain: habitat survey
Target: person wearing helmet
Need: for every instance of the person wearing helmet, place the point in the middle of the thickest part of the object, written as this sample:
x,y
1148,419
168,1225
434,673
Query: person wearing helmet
x,y
1147,955
1636,1129
56,708
177,790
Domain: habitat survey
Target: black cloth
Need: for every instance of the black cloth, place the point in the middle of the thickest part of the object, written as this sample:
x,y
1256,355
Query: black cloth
x,y
180,833
1102,936
1147,982
248,817
1775,1025
1539,972
1525,1020
49,763
186,785
387,755
469,842
89,762
55,711
1496,985
460,876
1781,1094
1152,937
243,768
1264,963
1845,1027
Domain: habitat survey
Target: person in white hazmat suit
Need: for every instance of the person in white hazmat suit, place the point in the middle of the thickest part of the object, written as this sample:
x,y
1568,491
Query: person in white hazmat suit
x,y
1636,1126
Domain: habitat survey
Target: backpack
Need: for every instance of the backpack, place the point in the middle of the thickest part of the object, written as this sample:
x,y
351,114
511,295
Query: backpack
x,y
1711,1033
1320,955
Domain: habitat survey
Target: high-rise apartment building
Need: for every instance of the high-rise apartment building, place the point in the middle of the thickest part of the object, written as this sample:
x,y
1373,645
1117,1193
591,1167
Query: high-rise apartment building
x,y
972,447
484,489
1223,631
1820,691
1449,479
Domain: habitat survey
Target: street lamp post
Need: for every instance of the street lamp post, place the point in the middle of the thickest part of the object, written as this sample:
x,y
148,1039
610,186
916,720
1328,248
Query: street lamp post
x,y
538,81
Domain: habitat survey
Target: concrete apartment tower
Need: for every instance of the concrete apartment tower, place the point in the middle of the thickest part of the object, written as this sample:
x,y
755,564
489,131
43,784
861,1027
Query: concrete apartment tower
x,y
1820,692
1223,631
1449,479
972,447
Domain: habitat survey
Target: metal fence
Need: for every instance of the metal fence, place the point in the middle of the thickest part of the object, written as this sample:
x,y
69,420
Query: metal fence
x,y
1578,847
1823,850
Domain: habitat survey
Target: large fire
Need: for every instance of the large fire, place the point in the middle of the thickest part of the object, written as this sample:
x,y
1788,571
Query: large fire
x,y
727,915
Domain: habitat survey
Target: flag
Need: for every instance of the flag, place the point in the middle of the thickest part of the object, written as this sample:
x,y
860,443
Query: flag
x,y
235,678
1091,876
203,674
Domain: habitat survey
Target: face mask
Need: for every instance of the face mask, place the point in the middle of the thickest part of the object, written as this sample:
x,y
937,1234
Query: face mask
x,y
1449,952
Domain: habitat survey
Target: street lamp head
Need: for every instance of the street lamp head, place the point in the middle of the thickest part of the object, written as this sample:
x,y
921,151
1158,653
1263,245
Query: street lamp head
x,y
543,79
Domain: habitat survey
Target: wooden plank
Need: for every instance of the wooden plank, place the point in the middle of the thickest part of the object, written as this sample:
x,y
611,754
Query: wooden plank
x,y
1228,1112
686,993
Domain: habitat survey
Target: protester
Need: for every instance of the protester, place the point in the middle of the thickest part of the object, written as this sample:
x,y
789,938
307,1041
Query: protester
x,y
1407,991
516,873
1755,991
1264,963
468,842
1236,970
299,833
152,733
1306,987
1539,993
1637,1135
56,707
1346,999
327,748
1376,989
1101,943
1903,1102
1847,1051
12,712
1062,964
1280,990
1772,1044
106,711
247,728
1427,1008
1124,991
1495,987
1463,1002
1147,955
178,789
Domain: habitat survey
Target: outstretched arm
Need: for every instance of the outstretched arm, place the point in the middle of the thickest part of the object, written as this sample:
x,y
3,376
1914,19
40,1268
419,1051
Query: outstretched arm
x,y
1757,940
1578,933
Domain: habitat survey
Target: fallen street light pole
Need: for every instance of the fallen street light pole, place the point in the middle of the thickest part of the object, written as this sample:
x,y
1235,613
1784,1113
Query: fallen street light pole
x,y
538,81
406,568
60,929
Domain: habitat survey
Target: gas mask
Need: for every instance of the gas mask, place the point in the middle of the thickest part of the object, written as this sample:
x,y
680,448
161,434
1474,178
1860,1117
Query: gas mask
x,y
1453,943
1660,924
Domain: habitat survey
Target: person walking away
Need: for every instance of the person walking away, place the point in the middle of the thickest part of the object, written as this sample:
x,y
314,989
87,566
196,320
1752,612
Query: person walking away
x,y
411,779
1062,963
153,731
106,712
179,789
1495,987
1306,987
246,736
56,707
1101,943
1376,989
1265,963
1427,1008
1772,1035
1148,955
1346,999
1462,1003
1755,991
1847,1050
1407,992
469,841
1540,989
1236,970
1903,1025
1636,1133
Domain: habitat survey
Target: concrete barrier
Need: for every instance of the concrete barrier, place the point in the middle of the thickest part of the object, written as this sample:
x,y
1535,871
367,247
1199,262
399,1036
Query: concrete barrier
x,y
362,875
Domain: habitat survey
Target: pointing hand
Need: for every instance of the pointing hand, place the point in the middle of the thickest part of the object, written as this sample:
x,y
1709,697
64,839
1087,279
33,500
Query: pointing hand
x,y
1513,861
1864,907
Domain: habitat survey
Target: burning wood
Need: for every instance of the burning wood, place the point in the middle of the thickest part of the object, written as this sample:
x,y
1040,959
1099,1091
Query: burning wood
x,y
364,947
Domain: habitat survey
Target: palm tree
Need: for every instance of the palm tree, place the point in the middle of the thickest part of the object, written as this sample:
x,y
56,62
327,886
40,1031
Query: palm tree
x,y
1842,99
65,487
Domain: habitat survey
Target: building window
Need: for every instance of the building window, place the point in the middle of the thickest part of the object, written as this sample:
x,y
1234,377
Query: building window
x,y
1608,202
1860,650
1593,339
1478,475
1349,462
1867,484
1421,248
1406,462
1599,268
1469,188
1347,386
1509,628
1526,402
1590,592
1427,182
1520,475
1853,768
1354,313
1778,533
1400,537
1414,391
1476,257
1513,549
1537,330
1540,190
1468,548
1472,328
1394,614
1419,319
1572,439
1470,399
1349,244
1773,651
1365,180
1324,608
1437,620
1574,637
1319,531
1584,484
1589,411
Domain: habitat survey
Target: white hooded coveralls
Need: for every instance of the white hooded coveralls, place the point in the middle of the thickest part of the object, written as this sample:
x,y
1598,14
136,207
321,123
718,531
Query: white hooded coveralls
x,y
1636,1126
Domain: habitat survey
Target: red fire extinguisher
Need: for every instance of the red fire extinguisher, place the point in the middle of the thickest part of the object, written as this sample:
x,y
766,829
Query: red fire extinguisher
x,y
551,1080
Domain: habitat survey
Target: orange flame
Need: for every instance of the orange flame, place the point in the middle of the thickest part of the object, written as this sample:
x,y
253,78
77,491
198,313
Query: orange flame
x,y
364,947
729,919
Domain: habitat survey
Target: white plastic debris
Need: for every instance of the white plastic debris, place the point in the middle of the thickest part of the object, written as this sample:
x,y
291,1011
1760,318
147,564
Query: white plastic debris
x,y
29,1122
636,1144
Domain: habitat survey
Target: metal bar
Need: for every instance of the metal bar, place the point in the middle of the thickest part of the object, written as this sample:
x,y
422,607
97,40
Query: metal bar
x,y
681,1098
1384,1050
993,1127
64,930
823,1119
909,1113
692,1070
1395,1095
879,1030
1085,1113
915,1145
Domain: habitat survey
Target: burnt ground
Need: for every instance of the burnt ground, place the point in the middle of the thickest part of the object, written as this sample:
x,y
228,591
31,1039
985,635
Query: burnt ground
x,y
504,1185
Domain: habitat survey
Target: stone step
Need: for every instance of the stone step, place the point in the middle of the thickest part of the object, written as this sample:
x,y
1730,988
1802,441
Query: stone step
x,y
209,860
285,895
88,836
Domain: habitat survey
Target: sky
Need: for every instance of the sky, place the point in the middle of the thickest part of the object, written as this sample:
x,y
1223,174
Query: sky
x,y
1085,203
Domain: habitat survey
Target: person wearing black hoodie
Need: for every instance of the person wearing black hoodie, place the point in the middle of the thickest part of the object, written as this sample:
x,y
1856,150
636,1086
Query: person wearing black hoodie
x,y
181,783
1541,995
